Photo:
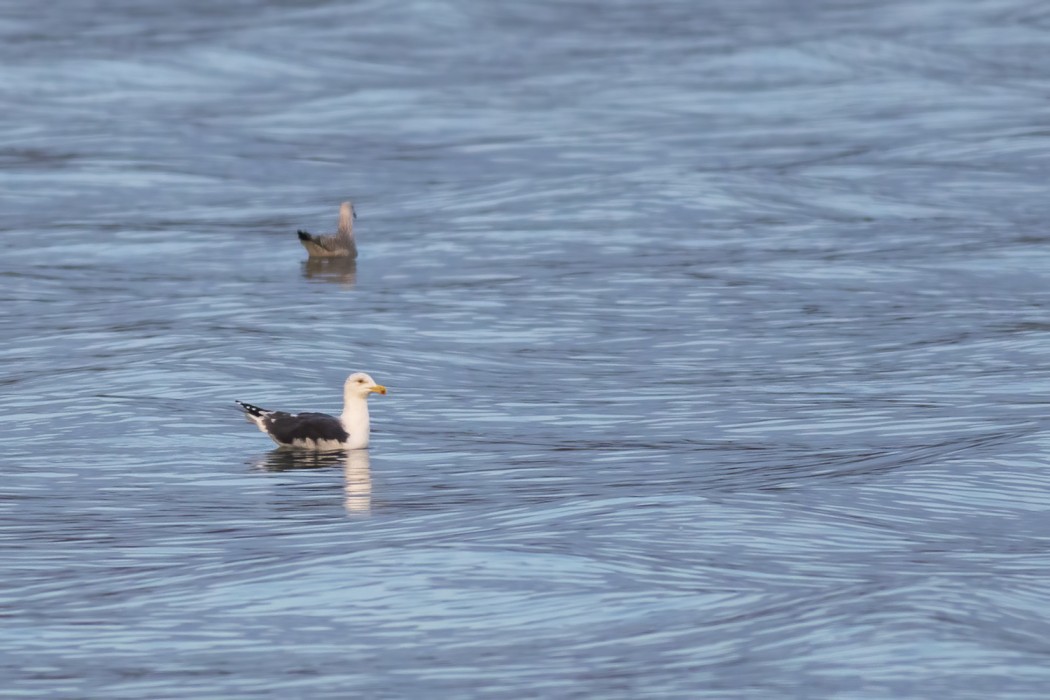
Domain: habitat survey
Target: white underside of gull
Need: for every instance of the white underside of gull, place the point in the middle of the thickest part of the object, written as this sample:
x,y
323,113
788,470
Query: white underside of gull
x,y
316,445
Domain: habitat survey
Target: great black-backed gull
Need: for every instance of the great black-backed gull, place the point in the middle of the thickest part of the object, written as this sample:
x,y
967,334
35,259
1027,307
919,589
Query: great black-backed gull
x,y
320,431
339,245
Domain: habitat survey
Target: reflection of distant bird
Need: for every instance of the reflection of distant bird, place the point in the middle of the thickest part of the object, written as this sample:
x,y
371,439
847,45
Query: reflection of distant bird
x,y
339,245
341,271
320,431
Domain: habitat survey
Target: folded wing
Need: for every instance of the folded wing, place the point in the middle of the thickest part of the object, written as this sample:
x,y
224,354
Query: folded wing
x,y
288,429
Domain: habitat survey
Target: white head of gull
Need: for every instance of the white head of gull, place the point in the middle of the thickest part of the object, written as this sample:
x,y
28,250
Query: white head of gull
x,y
320,431
341,244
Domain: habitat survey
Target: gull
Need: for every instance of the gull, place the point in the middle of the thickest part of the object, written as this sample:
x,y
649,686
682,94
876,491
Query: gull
x,y
338,245
320,431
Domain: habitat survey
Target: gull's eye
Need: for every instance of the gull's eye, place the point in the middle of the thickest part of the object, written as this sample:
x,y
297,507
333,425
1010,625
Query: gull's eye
x,y
360,381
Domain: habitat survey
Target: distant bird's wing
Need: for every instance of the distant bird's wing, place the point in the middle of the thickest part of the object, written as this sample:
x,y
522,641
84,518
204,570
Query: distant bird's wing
x,y
334,245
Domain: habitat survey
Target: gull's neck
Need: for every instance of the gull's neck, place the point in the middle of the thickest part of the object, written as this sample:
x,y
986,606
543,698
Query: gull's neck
x,y
346,222
355,421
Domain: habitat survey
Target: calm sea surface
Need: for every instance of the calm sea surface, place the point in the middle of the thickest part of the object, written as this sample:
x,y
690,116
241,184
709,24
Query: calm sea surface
x,y
717,337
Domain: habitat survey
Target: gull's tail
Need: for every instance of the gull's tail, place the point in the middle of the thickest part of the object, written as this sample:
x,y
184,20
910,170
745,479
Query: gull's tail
x,y
303,236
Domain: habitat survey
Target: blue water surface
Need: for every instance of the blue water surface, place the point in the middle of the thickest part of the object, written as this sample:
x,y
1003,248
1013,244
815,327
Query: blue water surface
x,y
716,338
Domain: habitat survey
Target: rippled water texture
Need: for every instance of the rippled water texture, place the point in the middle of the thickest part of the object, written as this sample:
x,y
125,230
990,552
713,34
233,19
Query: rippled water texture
x,y
716,338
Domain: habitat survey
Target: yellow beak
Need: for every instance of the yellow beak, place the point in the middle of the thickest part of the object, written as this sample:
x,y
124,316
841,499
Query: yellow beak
x,y
379,389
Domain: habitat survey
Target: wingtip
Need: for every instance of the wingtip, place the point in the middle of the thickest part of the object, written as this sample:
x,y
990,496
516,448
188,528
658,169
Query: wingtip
x,y
251,409
304,236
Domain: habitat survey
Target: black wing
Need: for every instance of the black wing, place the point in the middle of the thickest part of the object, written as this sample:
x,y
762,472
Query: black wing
x,y
287,428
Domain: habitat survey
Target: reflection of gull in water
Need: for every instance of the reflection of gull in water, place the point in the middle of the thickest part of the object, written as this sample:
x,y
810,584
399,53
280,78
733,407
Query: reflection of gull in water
x,y
357,473
320,431
358,487
339,270
338,245
289,460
